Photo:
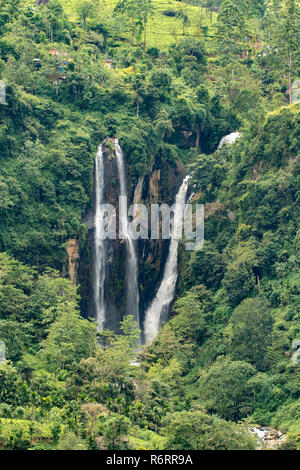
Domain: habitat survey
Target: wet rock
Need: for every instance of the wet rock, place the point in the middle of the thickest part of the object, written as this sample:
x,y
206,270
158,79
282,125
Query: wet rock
x,y
268,438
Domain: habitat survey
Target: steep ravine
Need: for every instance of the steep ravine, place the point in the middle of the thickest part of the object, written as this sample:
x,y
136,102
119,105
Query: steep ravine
x,y
159,185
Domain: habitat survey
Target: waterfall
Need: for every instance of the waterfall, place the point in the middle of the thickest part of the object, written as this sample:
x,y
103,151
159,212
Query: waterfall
x,y
132,300
229,139
165,294
100,250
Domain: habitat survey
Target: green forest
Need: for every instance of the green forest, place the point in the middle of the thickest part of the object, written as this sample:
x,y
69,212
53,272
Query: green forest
x,y
168,79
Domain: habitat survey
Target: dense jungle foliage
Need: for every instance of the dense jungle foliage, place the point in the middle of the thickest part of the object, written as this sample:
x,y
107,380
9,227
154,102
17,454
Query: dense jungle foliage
x,y
76,72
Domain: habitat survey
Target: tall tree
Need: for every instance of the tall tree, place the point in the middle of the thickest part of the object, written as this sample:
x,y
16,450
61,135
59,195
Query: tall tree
x,y
70,339
138,13
231,31
251,325
282,34
290,41
86,9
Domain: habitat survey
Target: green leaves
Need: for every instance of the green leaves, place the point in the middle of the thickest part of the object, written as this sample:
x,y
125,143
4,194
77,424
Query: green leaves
x,y
70,339
137,13
230,31
224,389
251,324
87,8
195,429
239,280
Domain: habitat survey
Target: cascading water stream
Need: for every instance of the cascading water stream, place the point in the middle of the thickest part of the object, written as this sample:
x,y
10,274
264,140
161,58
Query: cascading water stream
x,y
165,294
229,139
100,251
132,300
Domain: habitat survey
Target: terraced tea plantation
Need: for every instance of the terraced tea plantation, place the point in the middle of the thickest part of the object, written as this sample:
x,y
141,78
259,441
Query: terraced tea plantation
x,y
170,21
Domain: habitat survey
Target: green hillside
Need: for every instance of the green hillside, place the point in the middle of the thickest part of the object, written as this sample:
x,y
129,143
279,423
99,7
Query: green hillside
x,y
97,102
162,30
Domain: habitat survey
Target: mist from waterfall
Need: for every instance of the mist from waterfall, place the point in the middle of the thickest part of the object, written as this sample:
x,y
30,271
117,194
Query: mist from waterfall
x,y
132,296
165,294
100,249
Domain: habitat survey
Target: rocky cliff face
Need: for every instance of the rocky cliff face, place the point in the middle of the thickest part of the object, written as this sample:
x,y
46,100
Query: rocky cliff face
x,y
159,185
73,259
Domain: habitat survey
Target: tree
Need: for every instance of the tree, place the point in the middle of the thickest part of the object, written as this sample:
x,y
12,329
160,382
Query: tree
x,y
230,31
196,430
13,390
251,324
70,339
188,49
184,114
16,337
161,81
224,389
128,8
282,31
239,280
86,9
163,125
55,18
16,285
138,13
8,11
115,430
69,441
147,10
202,109
138,85
91,413
186,330
205,266
123,345
211,5
290,36
107,375
51,292
183,18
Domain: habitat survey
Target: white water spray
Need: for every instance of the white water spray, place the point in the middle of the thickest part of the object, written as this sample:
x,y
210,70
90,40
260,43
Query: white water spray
x,y
229,139
132,300
100,251
165,294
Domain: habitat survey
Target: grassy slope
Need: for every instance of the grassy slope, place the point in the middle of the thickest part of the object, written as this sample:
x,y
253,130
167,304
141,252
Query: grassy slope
x,y
162,30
